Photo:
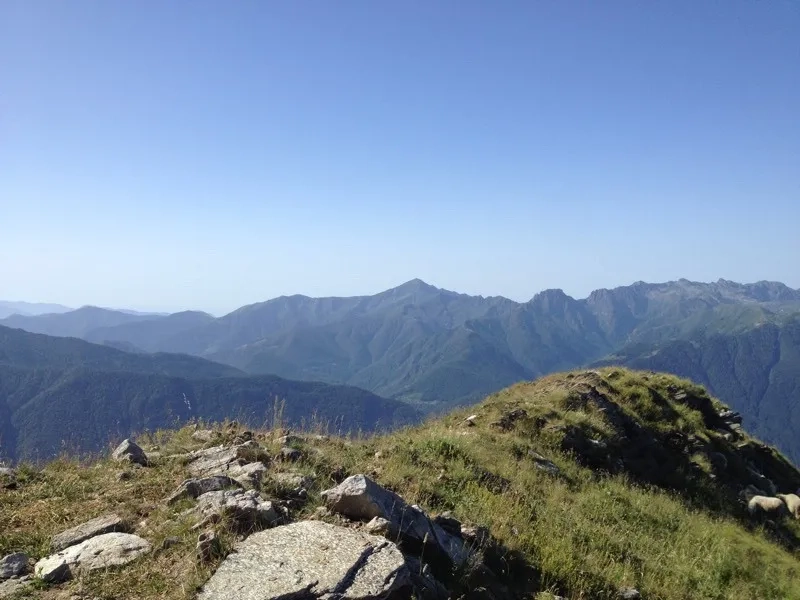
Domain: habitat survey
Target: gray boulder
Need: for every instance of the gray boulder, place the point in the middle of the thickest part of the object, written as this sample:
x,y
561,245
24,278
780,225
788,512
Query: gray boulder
x,y
309,559
8,478
102,551
130,451
193,488
245,509
205,435
250,475
358,497
84,531
13,565
219,460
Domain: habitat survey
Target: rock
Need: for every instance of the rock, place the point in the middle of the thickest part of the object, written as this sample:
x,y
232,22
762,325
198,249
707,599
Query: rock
x,y
469,421
245,509
130,451
216,460
288,440
288,454
426,586
358,497
449,523
84,531
193,488
249,475
123,476
205,435
309,559
628,593
208,547
541,463
730,416
13,565
509,419
296,484
476,537
726,435
12,587
243,437
379,526
8,478
106,550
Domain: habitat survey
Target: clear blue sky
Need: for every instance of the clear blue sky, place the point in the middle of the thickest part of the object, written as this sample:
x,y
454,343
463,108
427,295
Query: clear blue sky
x,y
206,155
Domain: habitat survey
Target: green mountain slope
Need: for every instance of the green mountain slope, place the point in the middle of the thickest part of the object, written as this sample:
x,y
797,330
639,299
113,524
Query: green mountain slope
x,y
756,369
75,323
437,348
66,394
578,485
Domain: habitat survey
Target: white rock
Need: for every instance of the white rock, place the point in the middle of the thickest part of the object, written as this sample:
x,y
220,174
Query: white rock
x,y
107,550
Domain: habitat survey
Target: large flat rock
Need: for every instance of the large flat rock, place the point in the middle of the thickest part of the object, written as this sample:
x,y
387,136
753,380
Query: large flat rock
x,y
84,531
309,559
102,551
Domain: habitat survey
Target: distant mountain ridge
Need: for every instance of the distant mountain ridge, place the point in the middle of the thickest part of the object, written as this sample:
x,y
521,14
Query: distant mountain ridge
x,y
435,348
67,394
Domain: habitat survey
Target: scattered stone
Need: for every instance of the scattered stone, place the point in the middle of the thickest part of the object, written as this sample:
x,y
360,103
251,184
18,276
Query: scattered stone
x,y
727,435
541,463
245,509
310,559
680,395
219,460
378,454
628,593
205,435
130,451
106,550
288,454
123,476
208,547
469,421
13,565
8,478
89,529
193,488
358,497
12,587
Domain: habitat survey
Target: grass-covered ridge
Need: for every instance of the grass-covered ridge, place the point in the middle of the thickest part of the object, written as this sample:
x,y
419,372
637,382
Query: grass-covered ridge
x,y
639,498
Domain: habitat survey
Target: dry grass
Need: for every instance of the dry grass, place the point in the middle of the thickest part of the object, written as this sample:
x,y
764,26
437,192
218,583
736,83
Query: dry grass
x,y
585,534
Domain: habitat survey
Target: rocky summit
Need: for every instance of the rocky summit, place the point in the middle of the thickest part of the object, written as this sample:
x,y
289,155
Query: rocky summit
x,y
608,484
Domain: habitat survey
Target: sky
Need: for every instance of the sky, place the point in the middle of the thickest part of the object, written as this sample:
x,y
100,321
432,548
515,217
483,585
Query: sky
x,y
206,155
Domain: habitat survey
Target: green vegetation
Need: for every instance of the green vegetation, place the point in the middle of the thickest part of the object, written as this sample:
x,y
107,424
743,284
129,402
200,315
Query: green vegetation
x,y
63,394
581,533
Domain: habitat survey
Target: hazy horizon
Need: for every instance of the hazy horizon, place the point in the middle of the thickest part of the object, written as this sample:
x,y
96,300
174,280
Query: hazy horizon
x,y
219,313
166,156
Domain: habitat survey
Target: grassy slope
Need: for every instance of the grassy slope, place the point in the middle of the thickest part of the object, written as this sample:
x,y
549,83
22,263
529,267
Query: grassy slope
x,y
585,533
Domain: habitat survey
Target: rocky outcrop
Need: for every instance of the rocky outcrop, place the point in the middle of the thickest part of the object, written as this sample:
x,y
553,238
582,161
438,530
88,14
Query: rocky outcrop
x,y
130,451
193,488
220,460
309,559
8,478
245,510
84,531
358,497
106,550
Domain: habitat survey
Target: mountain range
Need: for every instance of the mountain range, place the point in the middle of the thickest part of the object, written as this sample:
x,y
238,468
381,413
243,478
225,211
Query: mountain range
x,y
435,348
